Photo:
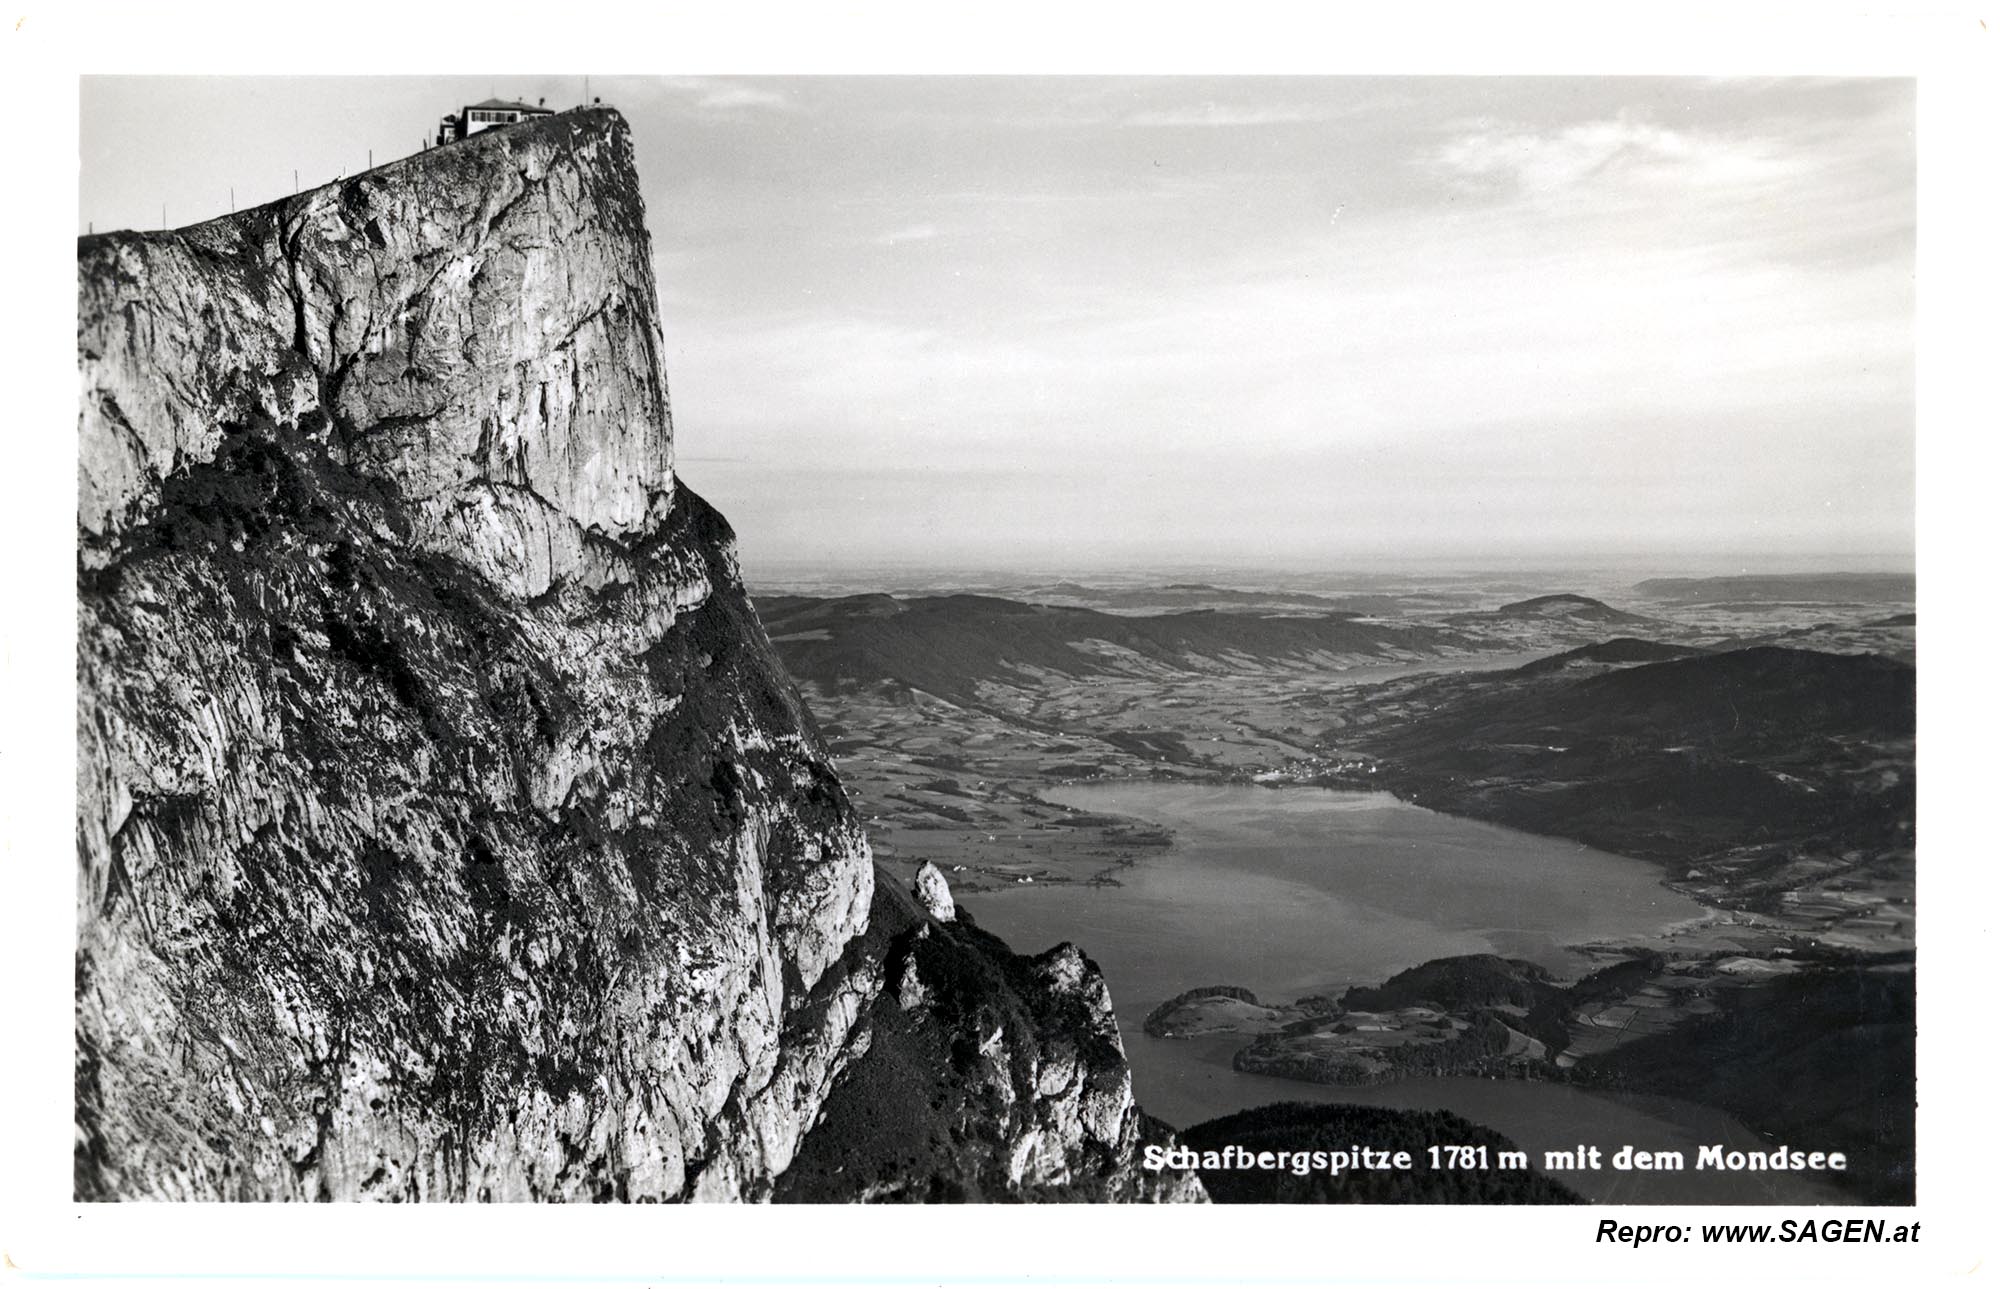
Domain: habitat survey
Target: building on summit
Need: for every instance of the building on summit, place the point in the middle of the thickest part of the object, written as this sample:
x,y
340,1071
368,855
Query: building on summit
x,y
491,114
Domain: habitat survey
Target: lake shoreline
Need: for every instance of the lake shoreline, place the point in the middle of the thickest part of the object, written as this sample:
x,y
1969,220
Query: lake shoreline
x,y
1266,893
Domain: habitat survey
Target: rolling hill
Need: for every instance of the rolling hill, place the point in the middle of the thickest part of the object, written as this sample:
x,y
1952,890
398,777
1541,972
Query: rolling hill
x,y
1617,652
1564,607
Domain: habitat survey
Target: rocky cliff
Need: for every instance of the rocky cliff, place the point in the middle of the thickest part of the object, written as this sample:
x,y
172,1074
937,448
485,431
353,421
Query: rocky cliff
x,y
989,1075
446,827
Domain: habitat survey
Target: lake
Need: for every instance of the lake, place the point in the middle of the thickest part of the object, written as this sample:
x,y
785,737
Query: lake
x,y
1290,891
1294,891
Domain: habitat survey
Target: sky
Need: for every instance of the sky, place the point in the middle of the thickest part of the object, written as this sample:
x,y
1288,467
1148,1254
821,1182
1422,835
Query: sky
x,y
1076,323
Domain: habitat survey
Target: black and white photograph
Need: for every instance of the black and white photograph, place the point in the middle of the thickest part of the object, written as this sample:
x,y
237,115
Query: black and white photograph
x,y
1189,637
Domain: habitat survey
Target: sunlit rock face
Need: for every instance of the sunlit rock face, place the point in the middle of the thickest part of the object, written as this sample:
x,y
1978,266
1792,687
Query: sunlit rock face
x,y
446,826
934,893
475,326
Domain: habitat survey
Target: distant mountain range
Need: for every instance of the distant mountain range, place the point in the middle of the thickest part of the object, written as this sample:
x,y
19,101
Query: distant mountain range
x,y
1174,597
946,645
1807,588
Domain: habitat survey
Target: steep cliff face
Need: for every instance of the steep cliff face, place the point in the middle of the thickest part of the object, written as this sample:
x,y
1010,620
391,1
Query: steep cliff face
x,y
446,827
473,327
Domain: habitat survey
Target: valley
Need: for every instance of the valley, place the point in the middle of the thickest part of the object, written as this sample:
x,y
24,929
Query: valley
x,y
1776,778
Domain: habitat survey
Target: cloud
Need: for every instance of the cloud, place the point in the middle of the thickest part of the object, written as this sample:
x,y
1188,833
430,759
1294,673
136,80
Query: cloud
x,y
1409,338
1622,153
1640,330
1426,382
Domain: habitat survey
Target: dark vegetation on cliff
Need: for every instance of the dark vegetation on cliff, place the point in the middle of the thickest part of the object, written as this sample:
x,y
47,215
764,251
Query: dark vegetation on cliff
x,y
482,932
